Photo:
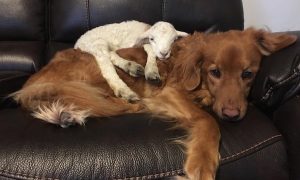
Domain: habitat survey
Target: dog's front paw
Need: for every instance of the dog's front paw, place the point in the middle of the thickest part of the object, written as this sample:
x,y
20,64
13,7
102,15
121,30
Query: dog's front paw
x,y
127,95
201,167
152,74
206,98
134,69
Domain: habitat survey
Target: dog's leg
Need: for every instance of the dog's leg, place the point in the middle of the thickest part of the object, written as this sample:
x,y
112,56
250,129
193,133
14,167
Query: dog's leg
x,y
151,69
203,97
134,69
202,143
202,149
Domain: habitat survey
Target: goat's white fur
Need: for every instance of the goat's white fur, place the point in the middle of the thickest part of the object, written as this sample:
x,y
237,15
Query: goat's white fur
x,y
103,41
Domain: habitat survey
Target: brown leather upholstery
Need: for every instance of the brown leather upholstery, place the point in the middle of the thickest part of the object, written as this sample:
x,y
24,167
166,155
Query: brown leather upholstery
x,y
133,146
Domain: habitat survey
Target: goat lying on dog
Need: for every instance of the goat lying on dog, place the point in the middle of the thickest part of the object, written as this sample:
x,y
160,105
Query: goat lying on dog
x,y
71,88
103,41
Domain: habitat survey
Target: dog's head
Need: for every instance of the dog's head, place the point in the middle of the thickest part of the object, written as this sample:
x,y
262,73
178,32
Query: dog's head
x,y
229,62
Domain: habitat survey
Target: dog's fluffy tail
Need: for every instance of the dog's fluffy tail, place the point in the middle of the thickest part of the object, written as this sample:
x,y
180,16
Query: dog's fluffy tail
x,y
70,102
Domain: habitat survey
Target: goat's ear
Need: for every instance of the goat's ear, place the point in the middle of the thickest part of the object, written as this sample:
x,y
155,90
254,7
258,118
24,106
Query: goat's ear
x,y
269,43
142,39
182,34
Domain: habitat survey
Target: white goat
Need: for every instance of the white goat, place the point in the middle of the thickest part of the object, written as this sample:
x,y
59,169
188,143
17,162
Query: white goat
x,y
103,41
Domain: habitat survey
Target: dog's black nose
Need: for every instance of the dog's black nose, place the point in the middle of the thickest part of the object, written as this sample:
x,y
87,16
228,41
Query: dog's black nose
x,y
231,119
230,113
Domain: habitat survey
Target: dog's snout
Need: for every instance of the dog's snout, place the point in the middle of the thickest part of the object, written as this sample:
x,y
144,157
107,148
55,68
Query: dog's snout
x,y
231,114
232,119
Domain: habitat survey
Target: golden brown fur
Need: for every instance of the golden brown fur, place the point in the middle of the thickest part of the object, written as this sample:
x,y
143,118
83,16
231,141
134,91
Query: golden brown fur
x,y
205,69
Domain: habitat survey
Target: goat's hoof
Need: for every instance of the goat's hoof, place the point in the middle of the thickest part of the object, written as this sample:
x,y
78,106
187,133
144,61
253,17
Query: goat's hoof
x,y
134,69
153,78
66,120
127,95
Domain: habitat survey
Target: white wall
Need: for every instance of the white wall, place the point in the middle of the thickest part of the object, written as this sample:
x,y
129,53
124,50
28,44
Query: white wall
x,y
277,15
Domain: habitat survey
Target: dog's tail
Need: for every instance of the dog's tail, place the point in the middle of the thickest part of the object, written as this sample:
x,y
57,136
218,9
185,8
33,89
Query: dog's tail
x,y
71,102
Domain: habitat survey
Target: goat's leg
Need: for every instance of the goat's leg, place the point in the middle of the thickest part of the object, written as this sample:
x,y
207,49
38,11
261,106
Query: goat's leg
x,y
132,68
151,69
114,81
100,50
202,142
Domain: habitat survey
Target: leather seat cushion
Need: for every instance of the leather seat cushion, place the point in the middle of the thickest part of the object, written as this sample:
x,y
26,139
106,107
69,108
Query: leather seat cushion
x,y
130,146
286,119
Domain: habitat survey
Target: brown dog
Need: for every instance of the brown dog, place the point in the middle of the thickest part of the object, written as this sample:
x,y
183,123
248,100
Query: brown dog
x,y
215,68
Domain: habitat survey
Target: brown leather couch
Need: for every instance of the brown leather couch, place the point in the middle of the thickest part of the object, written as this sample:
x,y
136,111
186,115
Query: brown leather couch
x,y
265,145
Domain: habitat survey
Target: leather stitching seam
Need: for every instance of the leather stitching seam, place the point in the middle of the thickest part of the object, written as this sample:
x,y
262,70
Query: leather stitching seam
x,y
163,9
49,20
250,148
158,175
19,175
87,6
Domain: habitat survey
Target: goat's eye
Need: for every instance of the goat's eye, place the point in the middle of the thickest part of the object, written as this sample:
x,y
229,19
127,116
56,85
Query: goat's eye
x,y
215,72
151,39
246,74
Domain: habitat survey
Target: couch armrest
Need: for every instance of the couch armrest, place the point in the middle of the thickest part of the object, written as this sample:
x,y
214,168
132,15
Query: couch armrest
x,y
286,118
279,77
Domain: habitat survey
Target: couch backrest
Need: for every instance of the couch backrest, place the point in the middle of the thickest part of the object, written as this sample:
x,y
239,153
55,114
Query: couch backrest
x,y
22,20
71,18
31,31
22,36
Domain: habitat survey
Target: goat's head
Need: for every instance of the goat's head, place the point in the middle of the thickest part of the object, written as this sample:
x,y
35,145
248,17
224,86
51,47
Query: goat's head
x,y
160,36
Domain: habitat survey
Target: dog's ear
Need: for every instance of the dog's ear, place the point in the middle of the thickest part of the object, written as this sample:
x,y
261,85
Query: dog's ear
x,y
187,59
192,76
269,43
187,69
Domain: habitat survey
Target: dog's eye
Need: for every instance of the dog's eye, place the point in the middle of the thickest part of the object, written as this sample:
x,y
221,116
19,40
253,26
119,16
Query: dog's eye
x,y
151,38
216,73
247,74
